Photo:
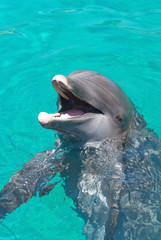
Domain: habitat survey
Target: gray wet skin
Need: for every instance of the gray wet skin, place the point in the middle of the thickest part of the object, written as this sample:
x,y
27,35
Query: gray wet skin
x,y
102,109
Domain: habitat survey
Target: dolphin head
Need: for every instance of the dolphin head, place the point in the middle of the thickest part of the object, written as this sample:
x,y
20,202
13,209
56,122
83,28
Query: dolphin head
x,y
91,108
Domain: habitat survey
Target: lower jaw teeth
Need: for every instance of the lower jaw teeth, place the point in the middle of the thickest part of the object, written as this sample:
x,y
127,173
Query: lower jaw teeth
x,y
61,115
69,113
57,115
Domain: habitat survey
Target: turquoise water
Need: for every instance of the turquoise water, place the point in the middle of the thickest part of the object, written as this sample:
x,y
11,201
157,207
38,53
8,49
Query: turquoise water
x,y
40,39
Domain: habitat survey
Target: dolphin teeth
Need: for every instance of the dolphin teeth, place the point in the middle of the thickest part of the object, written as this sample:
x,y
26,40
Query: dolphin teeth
x,y
61,115
57,114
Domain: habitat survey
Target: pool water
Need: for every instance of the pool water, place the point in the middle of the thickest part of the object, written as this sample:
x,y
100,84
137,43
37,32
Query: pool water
x,y
39,39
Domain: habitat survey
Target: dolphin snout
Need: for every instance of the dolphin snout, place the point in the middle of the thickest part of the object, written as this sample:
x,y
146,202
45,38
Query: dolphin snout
x,y
60,78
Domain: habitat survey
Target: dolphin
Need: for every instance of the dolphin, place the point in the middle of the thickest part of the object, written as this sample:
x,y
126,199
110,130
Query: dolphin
x,y
88,100
106,157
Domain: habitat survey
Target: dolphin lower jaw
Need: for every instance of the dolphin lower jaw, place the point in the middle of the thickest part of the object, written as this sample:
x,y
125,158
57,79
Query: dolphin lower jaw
x,y
89,128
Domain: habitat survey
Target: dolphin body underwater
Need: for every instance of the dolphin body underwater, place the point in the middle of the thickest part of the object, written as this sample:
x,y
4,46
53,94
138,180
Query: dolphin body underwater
x,y
108,160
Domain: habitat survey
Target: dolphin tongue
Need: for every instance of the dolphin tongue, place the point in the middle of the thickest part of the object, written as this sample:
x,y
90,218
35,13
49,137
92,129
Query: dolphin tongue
x,y
73,112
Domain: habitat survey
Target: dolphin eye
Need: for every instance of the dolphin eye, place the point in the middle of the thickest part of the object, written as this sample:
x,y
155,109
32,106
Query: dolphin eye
x,y
119,119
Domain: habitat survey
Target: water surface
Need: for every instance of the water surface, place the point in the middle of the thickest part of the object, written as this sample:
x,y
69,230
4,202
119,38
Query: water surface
x,y
40,39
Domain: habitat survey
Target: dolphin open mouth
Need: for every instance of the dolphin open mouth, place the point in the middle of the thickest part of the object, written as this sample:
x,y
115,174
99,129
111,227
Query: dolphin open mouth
x,y
72,105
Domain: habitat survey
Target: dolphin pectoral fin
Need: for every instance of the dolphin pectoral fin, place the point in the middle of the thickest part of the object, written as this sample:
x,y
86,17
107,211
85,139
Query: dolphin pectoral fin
x,y
116,187
114,212
27,182
45,190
